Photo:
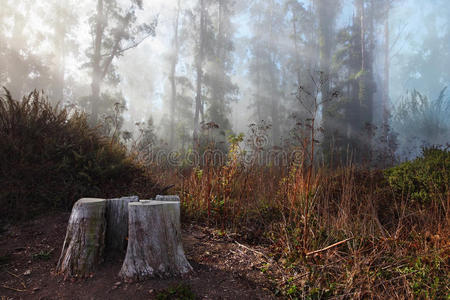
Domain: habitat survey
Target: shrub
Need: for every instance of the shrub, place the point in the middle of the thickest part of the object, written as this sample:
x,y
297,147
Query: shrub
x,y
424,178
50,157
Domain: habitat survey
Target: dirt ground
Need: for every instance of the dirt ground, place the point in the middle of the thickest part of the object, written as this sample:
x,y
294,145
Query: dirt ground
x,y
224,269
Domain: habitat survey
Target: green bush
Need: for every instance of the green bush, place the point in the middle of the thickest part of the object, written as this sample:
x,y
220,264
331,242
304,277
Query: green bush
x,y
50,157
424,178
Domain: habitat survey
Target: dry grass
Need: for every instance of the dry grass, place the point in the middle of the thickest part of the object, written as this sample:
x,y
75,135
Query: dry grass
x,y
395,249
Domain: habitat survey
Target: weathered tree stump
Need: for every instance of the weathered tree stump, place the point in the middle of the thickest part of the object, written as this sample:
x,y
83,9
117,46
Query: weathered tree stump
x,y
154,242
117,224
84,243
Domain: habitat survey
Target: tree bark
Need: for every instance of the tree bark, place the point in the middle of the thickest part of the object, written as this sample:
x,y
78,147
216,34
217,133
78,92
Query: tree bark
x,y
84,243
154,244
117,224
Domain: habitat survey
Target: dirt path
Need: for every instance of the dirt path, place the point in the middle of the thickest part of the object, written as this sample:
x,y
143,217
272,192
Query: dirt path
x,y
29,253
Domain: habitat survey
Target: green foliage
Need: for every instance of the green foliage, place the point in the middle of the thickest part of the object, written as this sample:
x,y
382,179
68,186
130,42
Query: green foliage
x,y
424,178
427,277
179,292
43,255
50,157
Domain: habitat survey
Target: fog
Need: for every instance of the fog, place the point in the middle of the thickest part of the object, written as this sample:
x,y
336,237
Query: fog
x,y
374,70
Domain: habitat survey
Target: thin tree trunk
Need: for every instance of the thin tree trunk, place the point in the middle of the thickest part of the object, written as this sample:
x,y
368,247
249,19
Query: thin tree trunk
x,y
386,68
96,63
274,87
60,34
172,79
363,34
296,48
198,98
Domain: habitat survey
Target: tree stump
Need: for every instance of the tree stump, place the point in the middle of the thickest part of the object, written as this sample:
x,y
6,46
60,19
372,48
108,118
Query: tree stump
x,y
117,224
84,243
154,243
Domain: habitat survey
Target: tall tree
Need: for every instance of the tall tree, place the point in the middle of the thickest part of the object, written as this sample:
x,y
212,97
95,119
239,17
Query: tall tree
x,y
219,86
23,69
267,26
300,61
327,12
387,54
354,62
172,76
61,21
199,59
114,31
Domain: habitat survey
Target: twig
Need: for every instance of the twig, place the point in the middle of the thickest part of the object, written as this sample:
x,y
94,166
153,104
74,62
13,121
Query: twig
x,y
253,250
18,277
329,247
165,189
13,289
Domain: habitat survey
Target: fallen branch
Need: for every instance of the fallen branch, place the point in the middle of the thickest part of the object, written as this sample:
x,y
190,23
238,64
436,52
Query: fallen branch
x,y
253,250
329,247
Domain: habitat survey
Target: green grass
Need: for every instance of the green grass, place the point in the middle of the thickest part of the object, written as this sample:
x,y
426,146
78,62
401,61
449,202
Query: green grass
x,y
179,292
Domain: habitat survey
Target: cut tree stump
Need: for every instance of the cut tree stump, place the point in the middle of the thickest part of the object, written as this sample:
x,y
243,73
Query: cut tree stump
x,y
154,242
117,224
84,243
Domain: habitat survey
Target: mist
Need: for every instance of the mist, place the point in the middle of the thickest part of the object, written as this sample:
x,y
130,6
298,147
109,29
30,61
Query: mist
x,y
371,74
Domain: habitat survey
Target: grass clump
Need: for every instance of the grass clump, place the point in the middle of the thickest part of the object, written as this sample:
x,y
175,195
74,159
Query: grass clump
x,y
179,292
50,157
43,255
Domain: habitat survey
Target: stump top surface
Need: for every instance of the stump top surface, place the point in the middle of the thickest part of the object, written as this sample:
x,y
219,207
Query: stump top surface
x,y
91,200
128,198
173,198
153,202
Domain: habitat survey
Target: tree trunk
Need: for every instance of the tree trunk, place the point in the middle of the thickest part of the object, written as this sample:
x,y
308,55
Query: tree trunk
x,y
96,62
172,78
117,224
60,32
84,243
199,64
154,244
385,112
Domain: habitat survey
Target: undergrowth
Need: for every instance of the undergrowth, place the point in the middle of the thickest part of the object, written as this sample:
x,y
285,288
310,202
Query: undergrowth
x,y
346,232
50,157
389,245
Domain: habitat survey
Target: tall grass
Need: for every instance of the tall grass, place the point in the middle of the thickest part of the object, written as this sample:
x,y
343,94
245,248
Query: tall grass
x,y
392,247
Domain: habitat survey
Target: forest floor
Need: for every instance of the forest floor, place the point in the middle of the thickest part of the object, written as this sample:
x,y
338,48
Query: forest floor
x,y
224,268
